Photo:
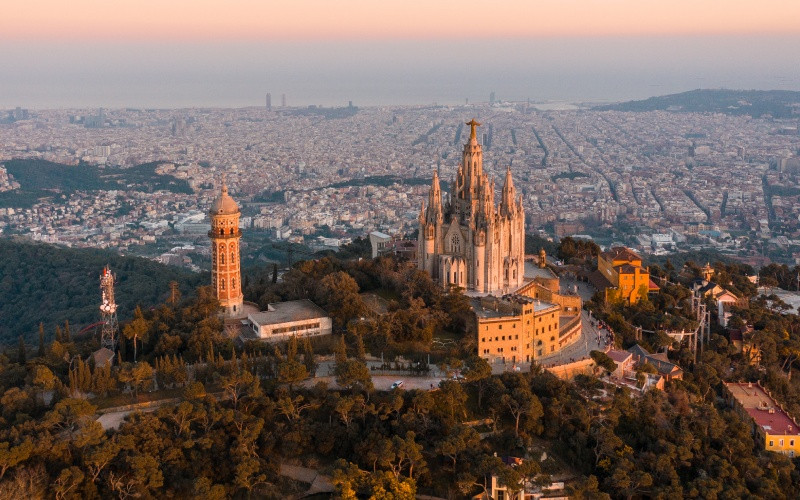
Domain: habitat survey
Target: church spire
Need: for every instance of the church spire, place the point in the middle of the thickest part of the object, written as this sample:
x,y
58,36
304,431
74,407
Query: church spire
x,y
434,199
508,203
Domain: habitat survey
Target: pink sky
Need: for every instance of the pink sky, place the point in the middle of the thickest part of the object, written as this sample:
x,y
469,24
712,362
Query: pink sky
x,y
315,19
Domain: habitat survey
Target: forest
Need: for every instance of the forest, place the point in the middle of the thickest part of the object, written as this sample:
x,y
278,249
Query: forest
x,y
46,284
264,406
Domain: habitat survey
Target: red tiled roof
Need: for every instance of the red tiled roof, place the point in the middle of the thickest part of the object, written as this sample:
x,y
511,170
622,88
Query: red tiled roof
x,y
764,410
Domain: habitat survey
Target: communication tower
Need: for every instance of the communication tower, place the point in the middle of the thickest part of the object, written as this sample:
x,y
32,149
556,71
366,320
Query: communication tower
x,y
108,311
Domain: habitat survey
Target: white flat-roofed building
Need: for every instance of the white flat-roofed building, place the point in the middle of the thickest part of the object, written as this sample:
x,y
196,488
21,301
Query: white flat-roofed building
x,y
285,319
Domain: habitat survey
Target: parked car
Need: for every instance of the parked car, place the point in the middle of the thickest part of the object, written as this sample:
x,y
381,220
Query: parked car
x,y
397,384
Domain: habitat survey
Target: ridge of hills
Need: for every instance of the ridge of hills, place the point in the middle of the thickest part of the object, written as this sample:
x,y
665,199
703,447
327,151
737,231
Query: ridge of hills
x,y
756,103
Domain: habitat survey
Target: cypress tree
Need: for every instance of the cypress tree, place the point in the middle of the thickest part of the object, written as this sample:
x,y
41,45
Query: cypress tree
x,y
67,336
274,273
361,353
40,353
21,358
58,334
308,356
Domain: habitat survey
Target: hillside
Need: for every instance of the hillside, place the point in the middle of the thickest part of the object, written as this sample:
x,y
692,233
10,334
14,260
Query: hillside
x,y
778,103
52,284
42,178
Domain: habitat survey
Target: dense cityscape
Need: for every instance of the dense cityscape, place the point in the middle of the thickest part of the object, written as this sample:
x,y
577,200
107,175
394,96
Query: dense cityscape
x,y
655,181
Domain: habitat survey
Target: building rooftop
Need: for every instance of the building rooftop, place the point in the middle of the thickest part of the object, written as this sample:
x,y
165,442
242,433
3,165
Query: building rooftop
x,y
619,356
484,308
533,271
764,410
286,312
620,253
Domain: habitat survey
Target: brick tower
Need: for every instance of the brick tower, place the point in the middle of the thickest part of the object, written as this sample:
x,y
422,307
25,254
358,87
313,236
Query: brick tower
x,y
225,236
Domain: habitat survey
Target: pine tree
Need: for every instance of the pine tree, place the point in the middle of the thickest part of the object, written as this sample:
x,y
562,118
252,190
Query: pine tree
x,y
67,336
40,353
21,357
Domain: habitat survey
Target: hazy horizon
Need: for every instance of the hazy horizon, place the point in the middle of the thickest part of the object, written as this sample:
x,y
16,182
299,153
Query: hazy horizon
x,y
190,53
82,74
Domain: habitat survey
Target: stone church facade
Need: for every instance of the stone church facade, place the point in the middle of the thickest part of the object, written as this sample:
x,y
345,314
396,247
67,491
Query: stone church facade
x,y
466,240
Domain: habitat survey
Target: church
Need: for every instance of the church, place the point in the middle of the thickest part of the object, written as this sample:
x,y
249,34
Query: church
x,y
467,241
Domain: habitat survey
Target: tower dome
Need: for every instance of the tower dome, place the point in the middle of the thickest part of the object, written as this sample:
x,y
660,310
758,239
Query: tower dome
x,y
224,205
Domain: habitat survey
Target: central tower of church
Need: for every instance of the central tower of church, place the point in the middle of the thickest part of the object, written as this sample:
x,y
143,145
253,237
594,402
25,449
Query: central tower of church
x,y
468,241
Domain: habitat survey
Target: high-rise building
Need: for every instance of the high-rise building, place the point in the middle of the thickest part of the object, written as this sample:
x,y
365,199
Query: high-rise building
x,y
491,98
269,101
225,269
467,241
283,100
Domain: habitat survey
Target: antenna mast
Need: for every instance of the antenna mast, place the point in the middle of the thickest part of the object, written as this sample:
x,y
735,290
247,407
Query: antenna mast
x,y
108,311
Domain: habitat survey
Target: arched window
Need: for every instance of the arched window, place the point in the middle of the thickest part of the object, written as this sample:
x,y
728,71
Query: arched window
x,y
233,257
221,231
231,231
222,284
455,244
222,258
233,284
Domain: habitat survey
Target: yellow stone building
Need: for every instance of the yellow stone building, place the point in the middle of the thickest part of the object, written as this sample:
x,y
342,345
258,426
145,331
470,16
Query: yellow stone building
x,y
535,321
626,279
776,430
516,328
225,267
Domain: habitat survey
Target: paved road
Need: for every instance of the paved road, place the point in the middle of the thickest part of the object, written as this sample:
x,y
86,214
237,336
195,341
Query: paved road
x,y
114,419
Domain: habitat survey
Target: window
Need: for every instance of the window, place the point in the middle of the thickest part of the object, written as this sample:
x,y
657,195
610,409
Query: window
x,y
233,284
233,257
516,337
500,327
772,443
484,339
455,244
222,284
791,442
780,443
504,337
222,258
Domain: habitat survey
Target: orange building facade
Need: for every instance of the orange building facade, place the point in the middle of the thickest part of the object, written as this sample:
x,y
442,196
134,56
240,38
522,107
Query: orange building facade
x,y
622,268
516,328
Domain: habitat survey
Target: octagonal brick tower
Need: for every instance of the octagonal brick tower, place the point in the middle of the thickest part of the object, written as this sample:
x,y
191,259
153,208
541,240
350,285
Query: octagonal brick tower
x,y
225,269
